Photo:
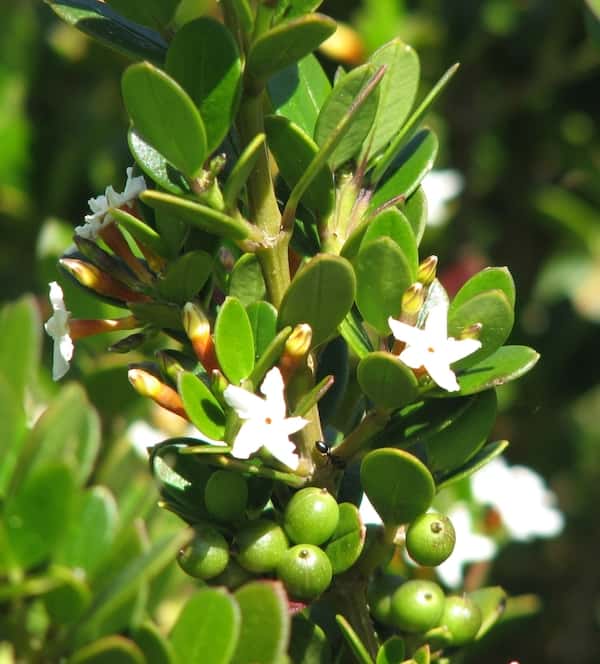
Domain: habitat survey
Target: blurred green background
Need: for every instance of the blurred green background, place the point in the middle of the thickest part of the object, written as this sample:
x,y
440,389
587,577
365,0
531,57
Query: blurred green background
x,y
519,122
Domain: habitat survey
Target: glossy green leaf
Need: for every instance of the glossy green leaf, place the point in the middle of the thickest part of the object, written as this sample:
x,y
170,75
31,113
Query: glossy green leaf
x,y
310,398
287,43
154,646
20,328
265,623
241,171
408,169
495,313
165,116
354,334
391,651
346,544
246,282
422,655
263,320
483,457
201,406
383,273
491,602
12,431
173,232
490,278
454,444
321,295
398,485
353,640
108,650
201,216
204,59
161,314
270,356
207,628
300,7
67,602
298,92
155,166
397,91
293,151
155,13
185,277
234,341
337,104
333,361
37,517
139,230
100,21
393,224
415,210
386,381
309,643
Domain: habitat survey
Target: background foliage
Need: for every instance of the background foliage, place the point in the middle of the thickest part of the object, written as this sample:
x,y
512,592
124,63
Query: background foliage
x,y
517,121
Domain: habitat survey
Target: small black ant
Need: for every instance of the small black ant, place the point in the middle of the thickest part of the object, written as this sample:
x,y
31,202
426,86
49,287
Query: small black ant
x,y
325,450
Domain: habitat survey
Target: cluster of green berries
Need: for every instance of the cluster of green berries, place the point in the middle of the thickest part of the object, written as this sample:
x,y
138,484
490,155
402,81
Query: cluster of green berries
x,y
233,547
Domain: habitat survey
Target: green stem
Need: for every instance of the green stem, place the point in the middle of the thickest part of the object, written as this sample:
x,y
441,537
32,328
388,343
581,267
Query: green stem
x,y
373,422
240,466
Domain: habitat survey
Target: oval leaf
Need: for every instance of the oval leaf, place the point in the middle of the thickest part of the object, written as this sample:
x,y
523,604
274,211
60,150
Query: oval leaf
x,y
385,380
165,116
246,281
201,406
415,210
185,276
321,295
491,278
154,165
483,457
398,485
234,341
491,602
391,652
263,321
109,650
393,224
346,543
309,643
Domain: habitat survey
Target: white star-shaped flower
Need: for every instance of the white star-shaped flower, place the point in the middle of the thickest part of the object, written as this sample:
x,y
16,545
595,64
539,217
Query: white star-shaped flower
x,y
264,421
431,347
100,205
470,547
58,328
526,506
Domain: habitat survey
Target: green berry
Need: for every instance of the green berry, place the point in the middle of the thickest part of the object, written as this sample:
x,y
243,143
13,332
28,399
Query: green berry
x,y
206,555
379,596
232,577
226,495
417,606
305,571
462,617
430,539
261,544
311,516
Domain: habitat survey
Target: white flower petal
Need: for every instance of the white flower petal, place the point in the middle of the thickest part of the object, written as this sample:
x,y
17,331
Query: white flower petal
x,y
246,404
272,387
441,373
407,333
368,513
436,324
247,441
456,349
284,450
57,327
292,424
414,357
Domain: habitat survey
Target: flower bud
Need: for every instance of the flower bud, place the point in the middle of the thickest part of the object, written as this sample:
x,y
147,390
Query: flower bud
x,y
148,385
115,239
197,328
85,327
412,300
427,270
295,350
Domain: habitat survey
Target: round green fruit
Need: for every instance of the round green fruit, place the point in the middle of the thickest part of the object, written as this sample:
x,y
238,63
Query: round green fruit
x,y
226,495
305,571
462,618
261,544
417,606
311,516
379,596
206,555
430,539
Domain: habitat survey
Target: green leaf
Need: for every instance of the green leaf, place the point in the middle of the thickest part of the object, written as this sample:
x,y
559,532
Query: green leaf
x,y
20,327
207,628
263,320
246,282
393,224
108,650
165,116
155,166
483,457
161,314
37,517
352,639
311,397
185,276
99,21
396,92
490,278
491,602
354,334
241,171
382,275
309,643
346,544
139,230
337,104
422,655
201,216
333,361
300,7
287,43
234,341
398,485
415,210
270,356
410,166
155,13
392,651
12,432
204,59
156,649
386,381
67,602
265,623
201,406
298,92
321,295
293,151
495,313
